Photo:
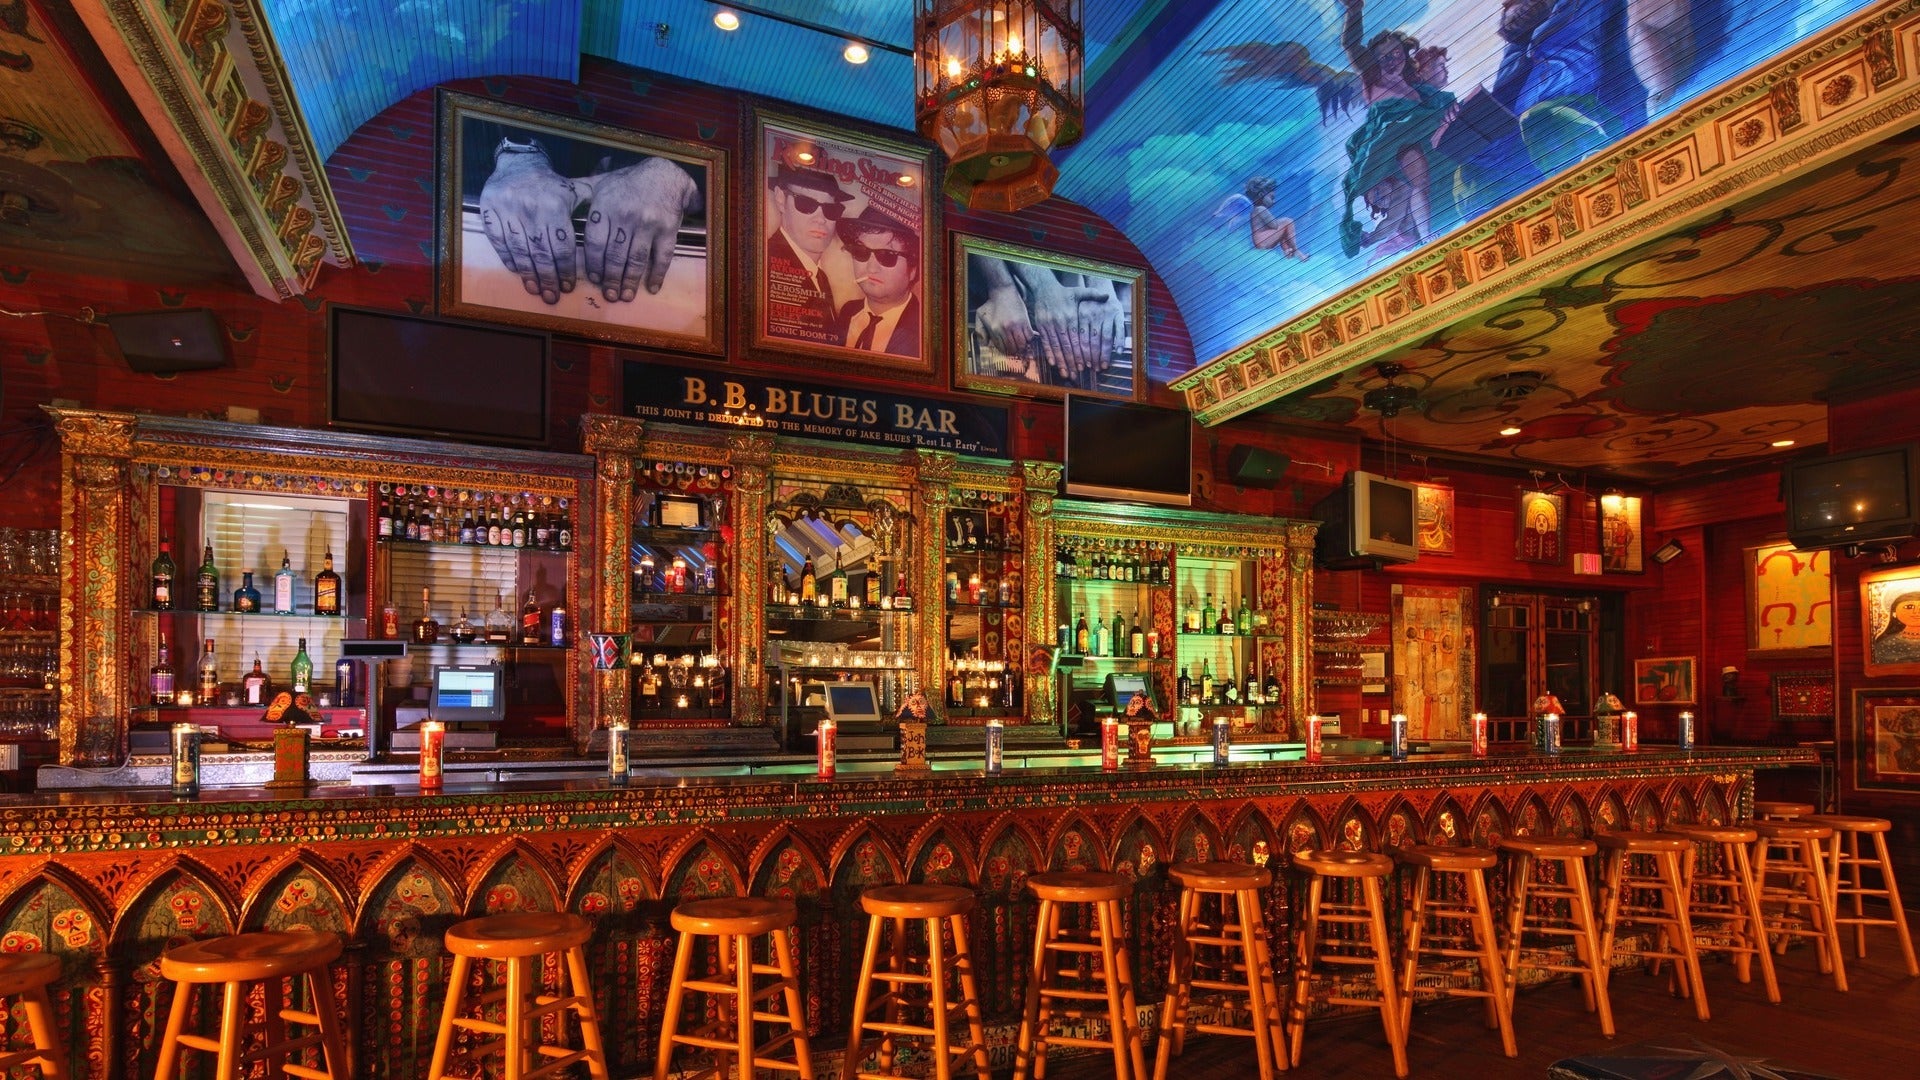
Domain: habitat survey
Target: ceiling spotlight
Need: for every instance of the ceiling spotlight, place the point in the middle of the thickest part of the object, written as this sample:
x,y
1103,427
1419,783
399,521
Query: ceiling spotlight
x,y
805,157
855,53
904,180
1782,442
726,20
1509,430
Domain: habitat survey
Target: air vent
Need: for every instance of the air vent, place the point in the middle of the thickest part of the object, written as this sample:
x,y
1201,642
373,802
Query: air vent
x,y
1513,385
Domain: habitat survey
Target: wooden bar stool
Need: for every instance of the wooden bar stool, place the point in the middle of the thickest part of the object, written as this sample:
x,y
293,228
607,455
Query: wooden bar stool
x,y
1844,868
1370,947
1723,905
234,963
1642,885
1780,810
1534,899
1461,929
1050,994
1795,852
934,906
26,976
517,940
735,922
1237,964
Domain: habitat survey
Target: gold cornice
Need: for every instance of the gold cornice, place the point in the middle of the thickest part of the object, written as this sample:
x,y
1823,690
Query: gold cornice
x,y
1851,87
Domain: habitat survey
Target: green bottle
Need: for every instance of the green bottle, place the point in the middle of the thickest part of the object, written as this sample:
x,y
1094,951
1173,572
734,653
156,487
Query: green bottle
x,y
1244,620
206,584
302,669
1208,616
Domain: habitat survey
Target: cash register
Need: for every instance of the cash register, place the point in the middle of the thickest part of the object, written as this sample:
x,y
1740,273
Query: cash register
x,y
1089,703
854,708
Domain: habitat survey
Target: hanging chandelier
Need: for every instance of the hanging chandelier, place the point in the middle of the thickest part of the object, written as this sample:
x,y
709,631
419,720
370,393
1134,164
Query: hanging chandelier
x,y
998,85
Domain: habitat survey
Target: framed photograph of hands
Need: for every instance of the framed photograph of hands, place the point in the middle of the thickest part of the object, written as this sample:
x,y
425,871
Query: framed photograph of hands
x,y
845,246
1039,325
580,228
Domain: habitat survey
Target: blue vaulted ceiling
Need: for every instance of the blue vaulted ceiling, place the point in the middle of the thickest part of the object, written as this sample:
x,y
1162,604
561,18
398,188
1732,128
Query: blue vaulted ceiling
x,y
1192,106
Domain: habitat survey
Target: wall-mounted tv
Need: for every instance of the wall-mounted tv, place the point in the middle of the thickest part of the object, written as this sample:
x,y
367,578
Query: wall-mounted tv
x,y
436,378
1858,498
1119,450
1367,521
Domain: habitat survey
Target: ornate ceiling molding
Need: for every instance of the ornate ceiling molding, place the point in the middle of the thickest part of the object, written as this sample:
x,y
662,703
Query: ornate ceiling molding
x,y
209,80
1836,94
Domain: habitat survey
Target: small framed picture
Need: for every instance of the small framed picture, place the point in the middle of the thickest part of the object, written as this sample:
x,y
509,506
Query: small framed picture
x,y
1621,535
1540,528
1666,680
679,511
1037,324
1890,621
1803,695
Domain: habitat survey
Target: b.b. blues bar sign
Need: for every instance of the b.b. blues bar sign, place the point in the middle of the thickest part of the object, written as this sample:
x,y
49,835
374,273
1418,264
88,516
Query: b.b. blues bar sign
x,y
812,410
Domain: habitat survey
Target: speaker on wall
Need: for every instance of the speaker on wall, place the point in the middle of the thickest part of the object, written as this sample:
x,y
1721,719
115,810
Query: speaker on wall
x,y
162,342
1251,466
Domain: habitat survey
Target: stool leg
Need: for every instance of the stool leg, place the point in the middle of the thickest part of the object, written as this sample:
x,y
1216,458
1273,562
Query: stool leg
x,y
1823,910
516,1018
1519,870
969,989
1173,1011
1245,912
229,1029
46,1037
1275,1018
443,1043
168,1067
1492,974
896,1008
1855,885
1383,973
1412,921
1303,967
862,996
1116,1008
1749,888
1130,1006
273,1025
937,985
1675,897
743,1001
1893,901
589,1013
669,1018
796,1018
1587,946
333,1047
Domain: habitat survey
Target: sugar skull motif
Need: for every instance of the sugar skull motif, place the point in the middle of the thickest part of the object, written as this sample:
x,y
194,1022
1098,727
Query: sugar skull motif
x,y
631,891
75,927
19,941
999,869
1449,827
186,911
502,898
1300,836
1353,834
1261,854
1397,831
939,860
1148,860
594,903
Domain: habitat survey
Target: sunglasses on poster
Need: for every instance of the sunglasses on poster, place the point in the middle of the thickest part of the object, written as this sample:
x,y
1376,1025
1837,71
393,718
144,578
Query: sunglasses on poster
x,y
884,256
805,205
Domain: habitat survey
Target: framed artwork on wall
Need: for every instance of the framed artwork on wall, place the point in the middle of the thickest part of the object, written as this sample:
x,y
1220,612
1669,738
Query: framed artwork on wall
x,y
1432,665
1890,621
1622,538
1789,602
1803,695
1433,513
580,228
1540,527
1666,680
1033,323
844,246
1886,728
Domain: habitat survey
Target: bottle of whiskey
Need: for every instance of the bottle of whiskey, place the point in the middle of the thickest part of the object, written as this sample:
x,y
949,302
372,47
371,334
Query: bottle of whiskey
x,y
1208,623
1136,639
809,586
1190,619
1183,686
649,687
1243,621
303,668
1225,625
208,688
254,686
1082,636
206,584
283,586
326,587
565,532
1117,642
246,598
499,627
425,630
902,599
1251,695
161,597
463,630
530,621
160,679
1206,681
1270,690
838,586
873,586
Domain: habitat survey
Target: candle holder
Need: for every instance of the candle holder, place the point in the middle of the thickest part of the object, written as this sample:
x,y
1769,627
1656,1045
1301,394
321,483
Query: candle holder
x,y
433,744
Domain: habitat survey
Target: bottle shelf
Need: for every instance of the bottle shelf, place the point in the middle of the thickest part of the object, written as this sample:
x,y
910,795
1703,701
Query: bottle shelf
x,y
402,542
1201,635
806,613
667,534
980,553
959,606
25,686
844,667
1092,658
29,635
655,596
493,645
233,614
1112,581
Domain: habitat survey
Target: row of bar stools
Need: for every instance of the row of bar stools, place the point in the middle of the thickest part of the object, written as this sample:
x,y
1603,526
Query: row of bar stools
x,y
1844,880
1725,907
739,999
520,941
26,976
904,977
1461,928
1364,943
1237,962
1793,851
1100,984
1643,886
235,963
1548,898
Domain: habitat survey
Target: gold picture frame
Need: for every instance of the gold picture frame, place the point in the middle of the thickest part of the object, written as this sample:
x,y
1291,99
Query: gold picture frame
x,y
1000,345
1789,602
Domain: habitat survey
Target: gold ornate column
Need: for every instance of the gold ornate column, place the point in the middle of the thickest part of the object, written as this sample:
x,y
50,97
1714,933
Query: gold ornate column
x,y
614,441
1300,696
752,457
94,588
1040,479
936,494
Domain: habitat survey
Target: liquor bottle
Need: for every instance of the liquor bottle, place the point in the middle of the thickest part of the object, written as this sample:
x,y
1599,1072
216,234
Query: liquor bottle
x,y
1117,639
1243,622
283,586
1206,681
540,530
1136,638
557,623
246,598
161,597
464,632
873,586
1271,689
253,686
385,527
1190,619
303,668
493,528
426,631
345,680
435,527
326,587
717,688
530,621
1082,636
1251,695
208,689
466,526
649,687
1225,625
566,527
499,627
1183,686
1229,689
412,528
956,688
160,679
837,586
520,528
1102,641
1208,623
808,584
206,584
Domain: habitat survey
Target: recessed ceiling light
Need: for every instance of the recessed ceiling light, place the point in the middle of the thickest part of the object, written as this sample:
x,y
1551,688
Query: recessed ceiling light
x,y
1783,442
726,20
1509,431
855,53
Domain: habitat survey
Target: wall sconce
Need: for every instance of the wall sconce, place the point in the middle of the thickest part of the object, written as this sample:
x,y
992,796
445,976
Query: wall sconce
x,y
1668,552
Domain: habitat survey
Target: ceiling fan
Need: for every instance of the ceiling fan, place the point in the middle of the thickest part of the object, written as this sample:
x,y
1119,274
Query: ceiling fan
x,y
1390,399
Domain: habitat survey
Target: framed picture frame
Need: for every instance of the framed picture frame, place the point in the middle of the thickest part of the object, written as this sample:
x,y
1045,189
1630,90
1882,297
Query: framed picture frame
x,y
1373,671
1886,729
1037,324
1803,695
1622,535
844,246
1789,602
679,511
1433,518
1540,527
1890,621
507,172
1666,680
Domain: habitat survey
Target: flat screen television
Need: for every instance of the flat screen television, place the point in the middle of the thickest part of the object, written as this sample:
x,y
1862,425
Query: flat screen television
x,y
468,694
1856,498
1367,521
436,378
1119,450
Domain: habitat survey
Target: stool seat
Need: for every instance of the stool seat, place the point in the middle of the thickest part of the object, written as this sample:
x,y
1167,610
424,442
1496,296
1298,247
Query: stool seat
x,y
21,972
1633,841
733,915
1343,864
1548,847
1080,886
917,901
1448,859
1715,834
247,968
1791,830
1777,808
1851,823
246,957
497,937
1220,876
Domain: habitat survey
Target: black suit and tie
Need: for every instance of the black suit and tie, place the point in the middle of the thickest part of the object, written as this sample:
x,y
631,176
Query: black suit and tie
x,y
857,324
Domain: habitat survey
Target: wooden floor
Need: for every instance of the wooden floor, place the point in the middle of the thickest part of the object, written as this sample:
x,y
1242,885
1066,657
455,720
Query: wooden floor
x,y
1870,1033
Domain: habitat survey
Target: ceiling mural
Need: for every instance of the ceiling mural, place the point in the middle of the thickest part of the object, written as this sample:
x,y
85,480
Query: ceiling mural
x,y
1286,152
1708,344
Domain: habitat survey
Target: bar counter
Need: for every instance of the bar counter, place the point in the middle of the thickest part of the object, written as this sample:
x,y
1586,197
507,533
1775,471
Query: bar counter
x,y
106,879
